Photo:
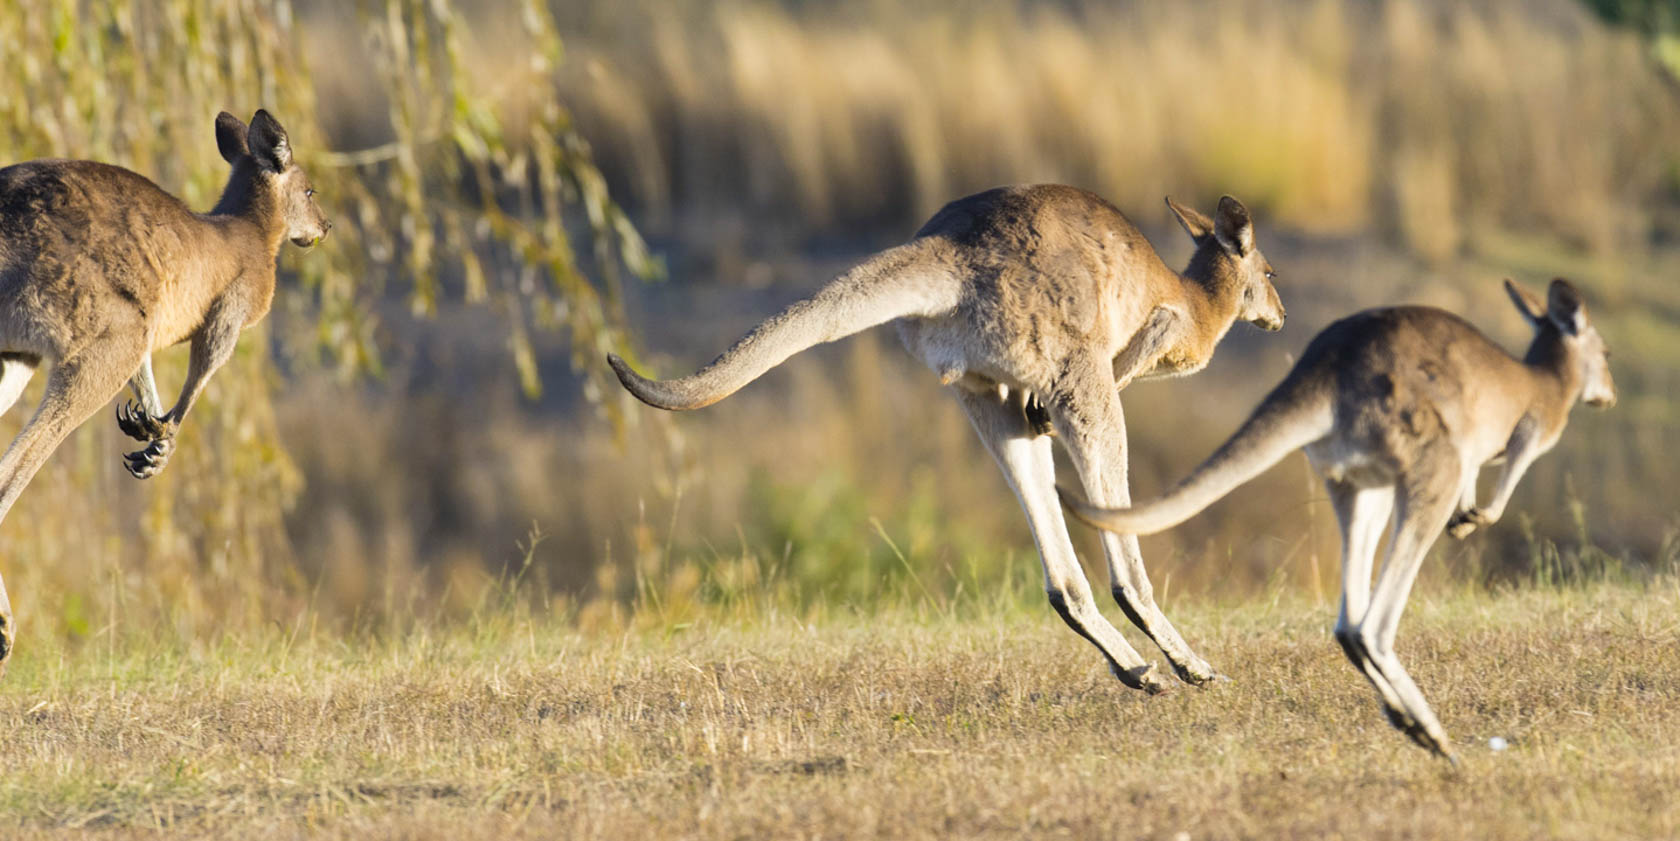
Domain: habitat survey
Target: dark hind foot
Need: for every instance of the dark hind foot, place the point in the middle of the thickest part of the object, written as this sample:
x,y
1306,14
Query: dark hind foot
x,y
1143,677
1199,673
1419,734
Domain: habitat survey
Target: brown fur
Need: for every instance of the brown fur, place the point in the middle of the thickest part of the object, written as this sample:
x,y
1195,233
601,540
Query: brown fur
x,y
1398,409
99,267
1036,304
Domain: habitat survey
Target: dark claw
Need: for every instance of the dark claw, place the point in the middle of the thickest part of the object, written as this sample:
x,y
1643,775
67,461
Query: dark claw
x,y
136,423
146,463
127,423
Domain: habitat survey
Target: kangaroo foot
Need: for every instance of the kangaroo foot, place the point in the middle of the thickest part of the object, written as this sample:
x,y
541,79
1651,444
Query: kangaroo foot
x,y
136,423
1435,744
146,463
1418,732
1197,672
1143,677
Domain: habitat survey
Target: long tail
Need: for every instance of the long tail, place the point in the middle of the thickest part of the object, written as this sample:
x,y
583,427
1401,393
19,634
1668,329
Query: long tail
x,y
898,282
1296,413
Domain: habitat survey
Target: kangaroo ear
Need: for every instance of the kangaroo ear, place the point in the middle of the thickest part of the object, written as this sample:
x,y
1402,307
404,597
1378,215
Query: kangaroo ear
x,y
268,143
230,137
1234,228
1532,310
1195,224
1565,307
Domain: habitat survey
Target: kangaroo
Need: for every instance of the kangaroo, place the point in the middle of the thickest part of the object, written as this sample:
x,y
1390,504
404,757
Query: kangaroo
x,y
1036,305
1398,409
99,267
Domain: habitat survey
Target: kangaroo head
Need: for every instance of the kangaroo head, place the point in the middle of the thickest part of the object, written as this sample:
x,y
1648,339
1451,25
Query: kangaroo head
x,y
1227,258
265,145
1563,319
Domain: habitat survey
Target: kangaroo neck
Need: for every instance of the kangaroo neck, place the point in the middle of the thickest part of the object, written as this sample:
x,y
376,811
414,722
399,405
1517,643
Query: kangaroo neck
x,y
1552,366
251,198
1205,296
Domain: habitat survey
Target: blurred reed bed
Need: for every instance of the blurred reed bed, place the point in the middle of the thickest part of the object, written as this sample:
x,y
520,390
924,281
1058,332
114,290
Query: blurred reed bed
x,y
847,480
770,143
1435,122
460,199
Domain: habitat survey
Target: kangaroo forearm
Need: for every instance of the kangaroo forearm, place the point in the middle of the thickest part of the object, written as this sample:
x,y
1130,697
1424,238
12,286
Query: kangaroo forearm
x,y
145,388
1142,355
1515,466
211,348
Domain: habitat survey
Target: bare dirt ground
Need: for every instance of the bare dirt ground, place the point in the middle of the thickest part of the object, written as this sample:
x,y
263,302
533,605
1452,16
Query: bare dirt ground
x,y
1001,725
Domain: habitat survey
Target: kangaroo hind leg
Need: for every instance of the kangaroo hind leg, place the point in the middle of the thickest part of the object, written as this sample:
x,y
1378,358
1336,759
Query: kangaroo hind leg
x,y
1028,463
1085,408
75,390
1362,513
1425,496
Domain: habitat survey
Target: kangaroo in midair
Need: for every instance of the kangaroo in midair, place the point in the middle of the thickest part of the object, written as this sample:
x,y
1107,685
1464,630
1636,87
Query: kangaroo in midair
x,y
99,267
1398,409
1036,305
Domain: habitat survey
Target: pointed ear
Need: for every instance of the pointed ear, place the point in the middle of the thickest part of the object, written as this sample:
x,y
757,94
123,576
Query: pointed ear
x,y
1195,224
268,143
230,137
1527,304
1565,307
1233,227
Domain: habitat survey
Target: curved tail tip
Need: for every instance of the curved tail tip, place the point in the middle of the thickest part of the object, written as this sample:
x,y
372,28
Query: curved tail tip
x,y
1075,502
1091,515
621,368
652,392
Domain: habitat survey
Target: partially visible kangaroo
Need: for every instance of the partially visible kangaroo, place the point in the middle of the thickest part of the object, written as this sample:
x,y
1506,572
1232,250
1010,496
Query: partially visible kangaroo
x,y
1398,409
99,267
1037,304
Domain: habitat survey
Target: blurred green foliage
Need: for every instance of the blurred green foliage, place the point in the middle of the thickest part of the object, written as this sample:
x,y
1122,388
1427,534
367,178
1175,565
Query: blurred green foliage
x,y
466,201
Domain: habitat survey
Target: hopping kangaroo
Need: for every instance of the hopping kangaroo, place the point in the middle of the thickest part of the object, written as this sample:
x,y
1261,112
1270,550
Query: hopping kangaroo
x,y
99,267
1036,304
1398,409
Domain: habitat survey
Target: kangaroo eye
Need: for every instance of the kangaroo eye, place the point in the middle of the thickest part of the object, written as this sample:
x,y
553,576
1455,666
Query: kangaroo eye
x,y
1271,275
309,193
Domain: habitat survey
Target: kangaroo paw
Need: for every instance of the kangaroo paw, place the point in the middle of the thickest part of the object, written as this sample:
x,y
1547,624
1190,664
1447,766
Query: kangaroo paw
x,y
1467,521
136,423
1038,417
149,462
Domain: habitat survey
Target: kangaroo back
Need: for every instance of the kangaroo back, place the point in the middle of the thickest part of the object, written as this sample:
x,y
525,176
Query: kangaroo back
x,y
896,283
1296,413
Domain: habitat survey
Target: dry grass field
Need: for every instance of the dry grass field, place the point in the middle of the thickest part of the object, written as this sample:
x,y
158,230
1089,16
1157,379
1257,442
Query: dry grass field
x,y
911,723
420,569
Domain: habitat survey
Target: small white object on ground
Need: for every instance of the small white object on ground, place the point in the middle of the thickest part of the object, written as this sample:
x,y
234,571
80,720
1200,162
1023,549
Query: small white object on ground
x,y
1497,743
